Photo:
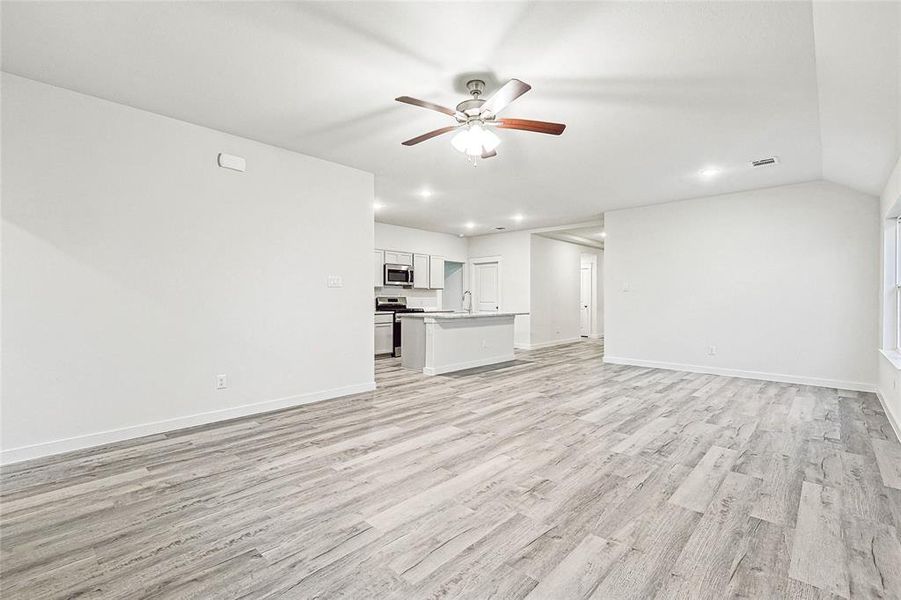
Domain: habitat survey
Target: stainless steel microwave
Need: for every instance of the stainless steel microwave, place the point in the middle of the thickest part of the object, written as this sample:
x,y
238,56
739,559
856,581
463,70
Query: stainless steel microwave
x,y
400,275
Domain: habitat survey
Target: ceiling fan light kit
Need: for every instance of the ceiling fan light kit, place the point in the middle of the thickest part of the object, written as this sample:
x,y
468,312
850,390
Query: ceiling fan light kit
x,y
475,117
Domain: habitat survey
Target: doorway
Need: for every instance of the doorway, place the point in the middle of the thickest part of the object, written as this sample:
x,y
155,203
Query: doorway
x,y
586,303
486,284
591,313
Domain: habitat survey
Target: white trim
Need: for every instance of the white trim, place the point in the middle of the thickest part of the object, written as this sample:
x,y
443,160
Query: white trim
x,y
549,344
892,418
14,455
893,357
469,364
782,378
596,336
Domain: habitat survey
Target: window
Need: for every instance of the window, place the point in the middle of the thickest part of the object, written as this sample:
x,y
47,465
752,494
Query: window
x,y
897,285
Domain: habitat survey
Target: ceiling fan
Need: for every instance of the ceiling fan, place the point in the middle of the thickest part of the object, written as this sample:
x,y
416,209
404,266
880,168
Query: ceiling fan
x,y
476,117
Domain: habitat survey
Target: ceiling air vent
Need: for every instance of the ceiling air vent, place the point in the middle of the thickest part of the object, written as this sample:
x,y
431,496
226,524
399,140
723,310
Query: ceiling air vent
x,y
500,228
765,162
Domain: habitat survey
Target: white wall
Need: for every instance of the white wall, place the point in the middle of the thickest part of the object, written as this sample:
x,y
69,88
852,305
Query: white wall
x,y
409,239
514,249
556,290
889,375
452,295
782,281
136,270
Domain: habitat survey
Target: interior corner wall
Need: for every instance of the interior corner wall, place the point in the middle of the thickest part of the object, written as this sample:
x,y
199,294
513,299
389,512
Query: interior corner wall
x,y
514,250
555,291
782,282
889,375
135,271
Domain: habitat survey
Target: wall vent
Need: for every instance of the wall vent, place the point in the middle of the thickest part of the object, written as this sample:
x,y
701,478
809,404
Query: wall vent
x,y
765,162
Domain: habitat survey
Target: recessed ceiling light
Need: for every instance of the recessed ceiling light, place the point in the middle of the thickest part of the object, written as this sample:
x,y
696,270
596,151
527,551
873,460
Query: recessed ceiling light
x,y
708,172
425,193
518,218
470,225
461,235
377,205
603,234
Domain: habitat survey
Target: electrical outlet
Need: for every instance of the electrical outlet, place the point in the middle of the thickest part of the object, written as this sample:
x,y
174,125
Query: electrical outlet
x,y
221,381
335,281
711,350
484,344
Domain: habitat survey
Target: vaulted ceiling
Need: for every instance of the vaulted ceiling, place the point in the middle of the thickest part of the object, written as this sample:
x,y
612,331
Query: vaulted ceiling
x,y
652,93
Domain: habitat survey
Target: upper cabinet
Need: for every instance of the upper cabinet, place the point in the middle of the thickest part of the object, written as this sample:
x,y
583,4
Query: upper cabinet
x,y
421,271
398,258
436,272
378,270
428,271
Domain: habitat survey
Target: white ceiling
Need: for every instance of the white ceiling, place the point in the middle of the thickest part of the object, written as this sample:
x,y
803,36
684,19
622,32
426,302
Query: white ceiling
x,y
585,236
651,92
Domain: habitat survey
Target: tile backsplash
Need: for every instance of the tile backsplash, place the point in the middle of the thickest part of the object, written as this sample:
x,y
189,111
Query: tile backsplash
x,y
415,298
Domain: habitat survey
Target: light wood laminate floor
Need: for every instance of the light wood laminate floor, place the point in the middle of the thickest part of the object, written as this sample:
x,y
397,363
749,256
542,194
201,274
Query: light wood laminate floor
x,y
556,477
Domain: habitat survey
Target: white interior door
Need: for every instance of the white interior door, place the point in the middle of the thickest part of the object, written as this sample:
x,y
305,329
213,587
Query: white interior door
x,y
585,302
486,292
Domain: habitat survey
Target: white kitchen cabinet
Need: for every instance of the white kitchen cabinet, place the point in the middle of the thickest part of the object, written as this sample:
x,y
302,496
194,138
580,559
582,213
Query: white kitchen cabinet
x,y
421,271
384,334
436,272
398,258
378,268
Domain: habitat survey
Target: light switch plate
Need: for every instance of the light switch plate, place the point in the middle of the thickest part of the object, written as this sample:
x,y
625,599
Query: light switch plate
x,y
335,281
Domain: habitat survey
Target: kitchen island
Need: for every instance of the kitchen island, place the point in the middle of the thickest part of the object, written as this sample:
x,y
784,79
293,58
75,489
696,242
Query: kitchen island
x,y
436,343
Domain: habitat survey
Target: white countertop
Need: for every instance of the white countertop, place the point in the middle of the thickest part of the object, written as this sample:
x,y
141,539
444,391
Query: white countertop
x,y
458,315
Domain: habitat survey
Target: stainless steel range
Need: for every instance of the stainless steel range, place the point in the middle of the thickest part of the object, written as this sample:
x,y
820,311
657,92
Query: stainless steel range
x,y
395,304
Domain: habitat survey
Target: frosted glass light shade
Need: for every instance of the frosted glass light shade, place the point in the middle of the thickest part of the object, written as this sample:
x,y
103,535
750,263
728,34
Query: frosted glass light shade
x,y
473,139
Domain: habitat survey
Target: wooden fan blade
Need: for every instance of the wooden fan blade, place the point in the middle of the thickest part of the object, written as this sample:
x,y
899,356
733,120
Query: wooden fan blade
x,y
512,90
429,135
428,105
536,126
491,154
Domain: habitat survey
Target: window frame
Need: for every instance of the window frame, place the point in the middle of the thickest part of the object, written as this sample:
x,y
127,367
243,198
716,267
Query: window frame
x,y
897,283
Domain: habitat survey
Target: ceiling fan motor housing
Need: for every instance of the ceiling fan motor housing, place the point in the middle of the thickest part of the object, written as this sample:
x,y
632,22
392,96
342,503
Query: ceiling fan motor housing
x,y
472,107
476,87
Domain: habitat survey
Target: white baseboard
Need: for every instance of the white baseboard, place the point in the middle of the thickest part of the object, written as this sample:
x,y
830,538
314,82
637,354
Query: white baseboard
x,y
780,377
469,364
893,419
549,344
595,336
14,455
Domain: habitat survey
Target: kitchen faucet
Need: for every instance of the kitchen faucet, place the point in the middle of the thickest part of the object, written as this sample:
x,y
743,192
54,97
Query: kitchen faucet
x,y
467,293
